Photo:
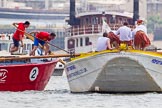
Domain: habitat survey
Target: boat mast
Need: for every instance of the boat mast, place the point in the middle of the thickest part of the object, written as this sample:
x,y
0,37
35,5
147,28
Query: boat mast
x,y
135,11
73,20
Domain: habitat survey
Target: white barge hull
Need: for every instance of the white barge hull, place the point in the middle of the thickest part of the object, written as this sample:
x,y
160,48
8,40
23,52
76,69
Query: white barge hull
x,y
115,72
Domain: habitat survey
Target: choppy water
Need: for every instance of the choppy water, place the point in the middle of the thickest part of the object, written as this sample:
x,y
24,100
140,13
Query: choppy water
x,y
57,95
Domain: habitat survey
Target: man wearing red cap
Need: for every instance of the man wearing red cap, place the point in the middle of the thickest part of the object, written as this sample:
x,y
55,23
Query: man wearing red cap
x,y
141,41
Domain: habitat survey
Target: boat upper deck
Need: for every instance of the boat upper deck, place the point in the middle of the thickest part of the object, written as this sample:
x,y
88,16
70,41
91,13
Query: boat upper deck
x,y
90,29
92,22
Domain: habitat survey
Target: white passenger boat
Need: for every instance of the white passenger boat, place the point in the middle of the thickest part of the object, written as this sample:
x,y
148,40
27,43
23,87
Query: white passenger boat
x,y
116,71
121,70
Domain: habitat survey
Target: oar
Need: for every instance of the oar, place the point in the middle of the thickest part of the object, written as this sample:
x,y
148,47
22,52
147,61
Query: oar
x,y
35,57
30,36
27,34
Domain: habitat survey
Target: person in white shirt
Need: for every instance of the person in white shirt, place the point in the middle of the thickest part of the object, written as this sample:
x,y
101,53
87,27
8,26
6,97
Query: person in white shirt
x,y
103,43
141,41
125,34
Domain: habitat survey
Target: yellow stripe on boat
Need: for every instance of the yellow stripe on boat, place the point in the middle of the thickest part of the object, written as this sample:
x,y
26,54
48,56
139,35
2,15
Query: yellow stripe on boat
x,y
84,55
151,53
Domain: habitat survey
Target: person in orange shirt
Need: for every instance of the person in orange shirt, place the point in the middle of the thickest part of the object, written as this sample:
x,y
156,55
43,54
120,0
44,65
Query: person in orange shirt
x,y
42,38
18,35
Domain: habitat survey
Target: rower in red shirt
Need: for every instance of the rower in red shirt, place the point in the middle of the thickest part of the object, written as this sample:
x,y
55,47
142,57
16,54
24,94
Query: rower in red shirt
x,y
18,35
42,38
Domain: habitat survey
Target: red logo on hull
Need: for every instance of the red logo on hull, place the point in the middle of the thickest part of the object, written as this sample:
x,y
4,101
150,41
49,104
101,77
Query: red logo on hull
x,y
3,75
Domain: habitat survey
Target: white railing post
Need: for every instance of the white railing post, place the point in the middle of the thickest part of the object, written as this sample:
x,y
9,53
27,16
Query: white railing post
x,y
84,29
78,30
92,29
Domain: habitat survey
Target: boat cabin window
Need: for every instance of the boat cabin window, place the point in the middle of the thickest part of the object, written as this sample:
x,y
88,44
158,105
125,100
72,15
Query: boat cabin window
x,y
87,41
81,41
86,21
130,21
112,20
104,18
24,48
11,44
3,46
29,47
71,44
125,19
77,42
120,21
94,20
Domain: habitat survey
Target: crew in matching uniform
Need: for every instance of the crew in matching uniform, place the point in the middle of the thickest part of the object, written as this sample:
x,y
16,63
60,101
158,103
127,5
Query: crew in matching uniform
x,y
141,41
125,34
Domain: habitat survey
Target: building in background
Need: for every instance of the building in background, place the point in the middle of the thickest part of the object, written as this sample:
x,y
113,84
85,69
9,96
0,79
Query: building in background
x,y
154,7
49,15
154,12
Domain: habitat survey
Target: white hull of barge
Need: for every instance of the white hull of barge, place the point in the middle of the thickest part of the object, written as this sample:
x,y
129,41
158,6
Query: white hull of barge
x,y
116,72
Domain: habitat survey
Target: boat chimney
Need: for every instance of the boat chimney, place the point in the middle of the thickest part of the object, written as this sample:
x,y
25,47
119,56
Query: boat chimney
x,y
135,11
72,12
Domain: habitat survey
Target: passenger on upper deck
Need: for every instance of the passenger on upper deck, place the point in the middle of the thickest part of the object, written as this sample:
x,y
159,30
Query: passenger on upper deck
x,y
18,35
141,41
42,38
103,43
125,34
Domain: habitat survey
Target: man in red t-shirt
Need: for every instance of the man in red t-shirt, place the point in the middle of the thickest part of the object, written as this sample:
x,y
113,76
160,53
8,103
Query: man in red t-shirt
x,y
42,38
18,35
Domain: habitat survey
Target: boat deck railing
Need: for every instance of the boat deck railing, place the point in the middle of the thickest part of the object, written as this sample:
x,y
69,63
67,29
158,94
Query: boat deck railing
x,y
90,29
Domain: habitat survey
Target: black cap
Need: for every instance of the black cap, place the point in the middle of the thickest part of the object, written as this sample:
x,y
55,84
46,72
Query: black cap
x,y
27,23
53,34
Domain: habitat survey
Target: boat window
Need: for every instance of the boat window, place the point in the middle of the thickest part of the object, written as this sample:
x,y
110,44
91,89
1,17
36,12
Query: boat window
x,y
104,18
71,44
4,46
29,47
130,21
77,42
112,20
87,41
24,47
81,41
125,19
87,21
94,20
120,21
